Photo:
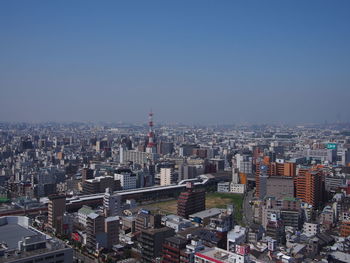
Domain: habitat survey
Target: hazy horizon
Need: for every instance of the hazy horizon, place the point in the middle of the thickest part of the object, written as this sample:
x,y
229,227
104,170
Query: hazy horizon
x,y
191,62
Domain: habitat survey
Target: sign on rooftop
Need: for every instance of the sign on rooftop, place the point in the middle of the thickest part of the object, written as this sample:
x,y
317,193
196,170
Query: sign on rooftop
x,y
331,146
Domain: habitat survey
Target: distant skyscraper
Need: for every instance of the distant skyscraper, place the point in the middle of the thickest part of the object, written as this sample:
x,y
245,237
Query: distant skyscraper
x,y
122,150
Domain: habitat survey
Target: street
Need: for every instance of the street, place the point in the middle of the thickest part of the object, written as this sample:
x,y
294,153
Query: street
x,y
79,257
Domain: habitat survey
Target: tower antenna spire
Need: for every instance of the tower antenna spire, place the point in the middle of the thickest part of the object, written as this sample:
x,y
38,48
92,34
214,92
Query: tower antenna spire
x,y
151,146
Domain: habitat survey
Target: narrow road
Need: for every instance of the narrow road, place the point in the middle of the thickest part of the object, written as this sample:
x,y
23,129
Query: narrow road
x,y
79,257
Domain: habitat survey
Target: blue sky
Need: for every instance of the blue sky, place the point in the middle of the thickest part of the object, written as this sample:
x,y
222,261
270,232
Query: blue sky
x,y
190,61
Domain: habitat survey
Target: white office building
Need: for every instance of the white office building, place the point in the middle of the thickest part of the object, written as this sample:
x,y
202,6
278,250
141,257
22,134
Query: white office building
x,y
112,203
127,180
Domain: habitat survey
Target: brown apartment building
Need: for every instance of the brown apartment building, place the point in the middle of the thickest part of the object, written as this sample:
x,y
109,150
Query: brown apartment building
x,y
191,201
56,209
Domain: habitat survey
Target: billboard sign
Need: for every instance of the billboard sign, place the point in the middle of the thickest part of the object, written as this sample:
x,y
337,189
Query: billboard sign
x,y
331,146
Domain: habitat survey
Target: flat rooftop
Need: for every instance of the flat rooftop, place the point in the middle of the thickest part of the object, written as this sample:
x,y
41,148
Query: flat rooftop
x,y
14,228
207,213
215,253
12,234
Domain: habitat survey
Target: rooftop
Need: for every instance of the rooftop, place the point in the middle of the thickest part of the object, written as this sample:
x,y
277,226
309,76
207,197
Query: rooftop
x,y
177,240
85,210
341,256
112,218
208,213
14,229
216,254
11,234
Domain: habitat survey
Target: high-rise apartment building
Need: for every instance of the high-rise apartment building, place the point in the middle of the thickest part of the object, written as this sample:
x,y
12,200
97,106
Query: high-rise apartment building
x,y
308,184
244,162
187,171
191,201
101,231
166,176
151,241
112,203
94,230
56,209
137,157
172,247
165,148
112,231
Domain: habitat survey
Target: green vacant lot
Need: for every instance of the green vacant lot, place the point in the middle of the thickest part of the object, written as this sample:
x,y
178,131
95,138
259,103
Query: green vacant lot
x,y
219,200
4,200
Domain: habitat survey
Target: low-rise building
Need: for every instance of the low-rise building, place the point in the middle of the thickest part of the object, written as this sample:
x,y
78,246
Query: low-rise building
x,y
21,243
223,187
83,214
176,222
203,217
216,255
311,229
237,188
236,236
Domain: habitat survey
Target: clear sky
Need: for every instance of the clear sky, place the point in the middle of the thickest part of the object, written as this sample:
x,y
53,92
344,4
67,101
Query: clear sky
x,y
190,61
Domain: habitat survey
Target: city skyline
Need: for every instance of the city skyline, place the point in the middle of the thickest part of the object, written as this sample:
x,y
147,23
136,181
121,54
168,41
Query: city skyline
x,y
197,62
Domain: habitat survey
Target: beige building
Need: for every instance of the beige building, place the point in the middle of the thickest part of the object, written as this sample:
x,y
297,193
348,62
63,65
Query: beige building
x,y
166,176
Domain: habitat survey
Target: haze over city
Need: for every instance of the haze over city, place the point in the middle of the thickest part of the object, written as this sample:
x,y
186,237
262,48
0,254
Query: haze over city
x,y
188,131
202,62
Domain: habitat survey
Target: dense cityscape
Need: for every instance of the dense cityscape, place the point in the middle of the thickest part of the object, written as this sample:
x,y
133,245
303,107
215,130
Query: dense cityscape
x,y
187,131
88,192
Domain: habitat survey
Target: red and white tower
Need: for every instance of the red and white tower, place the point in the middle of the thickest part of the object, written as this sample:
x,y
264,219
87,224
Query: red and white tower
x,y
151,146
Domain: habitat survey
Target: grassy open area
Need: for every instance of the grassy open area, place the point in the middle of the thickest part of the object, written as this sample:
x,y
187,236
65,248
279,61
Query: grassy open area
x,y
165,207
4,200
219,200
